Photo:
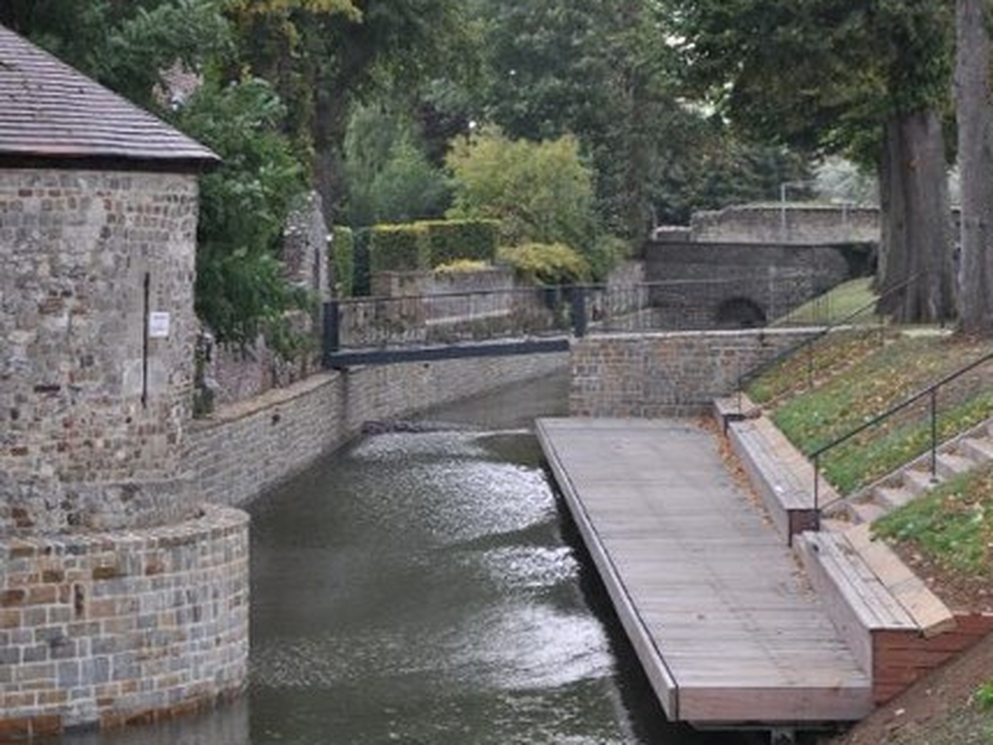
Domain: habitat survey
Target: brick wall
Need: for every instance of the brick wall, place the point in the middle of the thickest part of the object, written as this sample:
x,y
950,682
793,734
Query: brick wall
x,y
105,629
670,374
248,447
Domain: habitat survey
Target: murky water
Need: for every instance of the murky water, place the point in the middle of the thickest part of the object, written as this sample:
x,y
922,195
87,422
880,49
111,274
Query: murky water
x,y
424,588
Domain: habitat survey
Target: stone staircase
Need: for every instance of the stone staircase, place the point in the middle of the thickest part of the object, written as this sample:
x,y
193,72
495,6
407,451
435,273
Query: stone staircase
x,y
954,458
895,625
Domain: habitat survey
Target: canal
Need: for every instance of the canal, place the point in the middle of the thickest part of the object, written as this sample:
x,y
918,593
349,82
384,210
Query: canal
x,y
424,586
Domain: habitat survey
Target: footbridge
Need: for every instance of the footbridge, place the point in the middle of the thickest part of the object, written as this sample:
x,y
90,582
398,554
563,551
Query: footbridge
x,y
535,320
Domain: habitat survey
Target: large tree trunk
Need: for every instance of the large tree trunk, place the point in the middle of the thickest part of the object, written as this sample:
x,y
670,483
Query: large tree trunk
x,y
975,127
916,264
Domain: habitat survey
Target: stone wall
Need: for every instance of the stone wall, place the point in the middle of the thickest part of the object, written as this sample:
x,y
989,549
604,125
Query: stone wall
x,y
670,374
713,285
96,347
106,629
791,223
251,446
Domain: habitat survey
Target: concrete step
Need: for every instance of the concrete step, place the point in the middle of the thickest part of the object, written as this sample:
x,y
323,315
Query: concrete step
x,y
779,473
917,481
735,408
930,614
891,497
950,465
980,449
857,603
866,512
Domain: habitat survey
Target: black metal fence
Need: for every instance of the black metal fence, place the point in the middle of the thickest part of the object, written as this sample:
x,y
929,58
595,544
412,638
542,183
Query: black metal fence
x,y
456,318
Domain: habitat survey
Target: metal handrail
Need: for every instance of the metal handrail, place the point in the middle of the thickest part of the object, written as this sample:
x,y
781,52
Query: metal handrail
x,y
809,342
931,390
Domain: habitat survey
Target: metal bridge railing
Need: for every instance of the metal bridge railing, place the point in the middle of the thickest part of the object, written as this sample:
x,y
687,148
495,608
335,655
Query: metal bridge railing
x,y
486,315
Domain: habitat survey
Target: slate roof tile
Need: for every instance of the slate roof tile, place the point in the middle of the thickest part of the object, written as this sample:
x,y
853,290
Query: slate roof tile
x,y
50,111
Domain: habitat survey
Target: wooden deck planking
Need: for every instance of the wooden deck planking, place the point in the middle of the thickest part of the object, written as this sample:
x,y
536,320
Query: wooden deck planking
x,y
724,626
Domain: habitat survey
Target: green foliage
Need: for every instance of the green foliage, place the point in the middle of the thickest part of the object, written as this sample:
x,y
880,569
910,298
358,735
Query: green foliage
x,y
546,264
343,260
150,42
362,284
388,174
399,248
871,379
540,192
451,240
240,290
463,266
983,697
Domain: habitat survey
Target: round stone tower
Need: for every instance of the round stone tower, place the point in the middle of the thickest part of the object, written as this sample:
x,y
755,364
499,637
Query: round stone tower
x,y
122,597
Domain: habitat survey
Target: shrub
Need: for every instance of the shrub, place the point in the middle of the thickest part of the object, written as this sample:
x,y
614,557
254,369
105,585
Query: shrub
x,y
362,274
607,252
342,254
548,264
463,266
541,192
399,248
451,240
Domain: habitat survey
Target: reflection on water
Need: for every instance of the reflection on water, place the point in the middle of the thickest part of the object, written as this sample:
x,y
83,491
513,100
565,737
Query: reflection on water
x,y
417,588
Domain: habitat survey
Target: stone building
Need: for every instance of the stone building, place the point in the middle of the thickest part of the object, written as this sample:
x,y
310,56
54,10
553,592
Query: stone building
x,y
121,596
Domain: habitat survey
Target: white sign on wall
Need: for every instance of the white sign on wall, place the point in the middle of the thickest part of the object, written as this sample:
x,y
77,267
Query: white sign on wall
x,y
158,325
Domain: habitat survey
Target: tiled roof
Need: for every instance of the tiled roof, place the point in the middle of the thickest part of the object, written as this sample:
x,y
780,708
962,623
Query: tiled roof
x,y
49,111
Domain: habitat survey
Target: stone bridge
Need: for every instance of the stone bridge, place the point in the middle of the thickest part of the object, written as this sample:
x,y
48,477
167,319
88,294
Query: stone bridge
x,y
750,264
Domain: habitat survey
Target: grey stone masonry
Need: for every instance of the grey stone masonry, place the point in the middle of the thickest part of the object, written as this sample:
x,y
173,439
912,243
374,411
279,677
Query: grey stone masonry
x,y
96,347
106,629
675,374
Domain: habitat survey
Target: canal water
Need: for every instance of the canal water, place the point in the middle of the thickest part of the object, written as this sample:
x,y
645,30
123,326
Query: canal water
x,y
424,586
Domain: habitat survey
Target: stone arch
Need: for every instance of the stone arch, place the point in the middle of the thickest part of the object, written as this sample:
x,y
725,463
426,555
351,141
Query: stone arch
x,y
740,312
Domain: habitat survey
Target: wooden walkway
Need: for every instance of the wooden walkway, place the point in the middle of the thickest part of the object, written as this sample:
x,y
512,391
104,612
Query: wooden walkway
x,y
713,602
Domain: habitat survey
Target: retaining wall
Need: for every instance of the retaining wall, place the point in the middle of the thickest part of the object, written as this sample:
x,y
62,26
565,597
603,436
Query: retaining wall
x,y
249,447
669,374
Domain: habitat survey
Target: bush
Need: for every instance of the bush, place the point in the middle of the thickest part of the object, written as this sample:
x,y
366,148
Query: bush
x,y
362,274
547,264
399,248
462,266
451,240
342,254
542,192
607,253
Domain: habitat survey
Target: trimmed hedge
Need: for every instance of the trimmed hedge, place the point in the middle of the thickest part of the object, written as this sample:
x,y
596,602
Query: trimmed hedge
x,y
342,252
399,248
454,240
362,274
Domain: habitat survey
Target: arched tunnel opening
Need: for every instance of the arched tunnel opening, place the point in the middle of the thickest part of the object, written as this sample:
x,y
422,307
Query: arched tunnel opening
x,y
740,313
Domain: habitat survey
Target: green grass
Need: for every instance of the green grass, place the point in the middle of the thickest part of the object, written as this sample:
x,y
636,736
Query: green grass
x,y
862,379
837,306
952,524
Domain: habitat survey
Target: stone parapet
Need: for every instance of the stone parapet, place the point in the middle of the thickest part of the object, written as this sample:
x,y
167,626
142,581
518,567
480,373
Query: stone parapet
x,y
106,629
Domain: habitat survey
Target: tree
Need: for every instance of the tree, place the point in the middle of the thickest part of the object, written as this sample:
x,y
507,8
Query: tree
x,y
591,68
975,130
324,55
840,76
541,192
389,178
240,288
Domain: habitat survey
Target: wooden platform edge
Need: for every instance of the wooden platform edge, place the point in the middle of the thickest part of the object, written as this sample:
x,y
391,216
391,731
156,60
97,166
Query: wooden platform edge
x,y
659,675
